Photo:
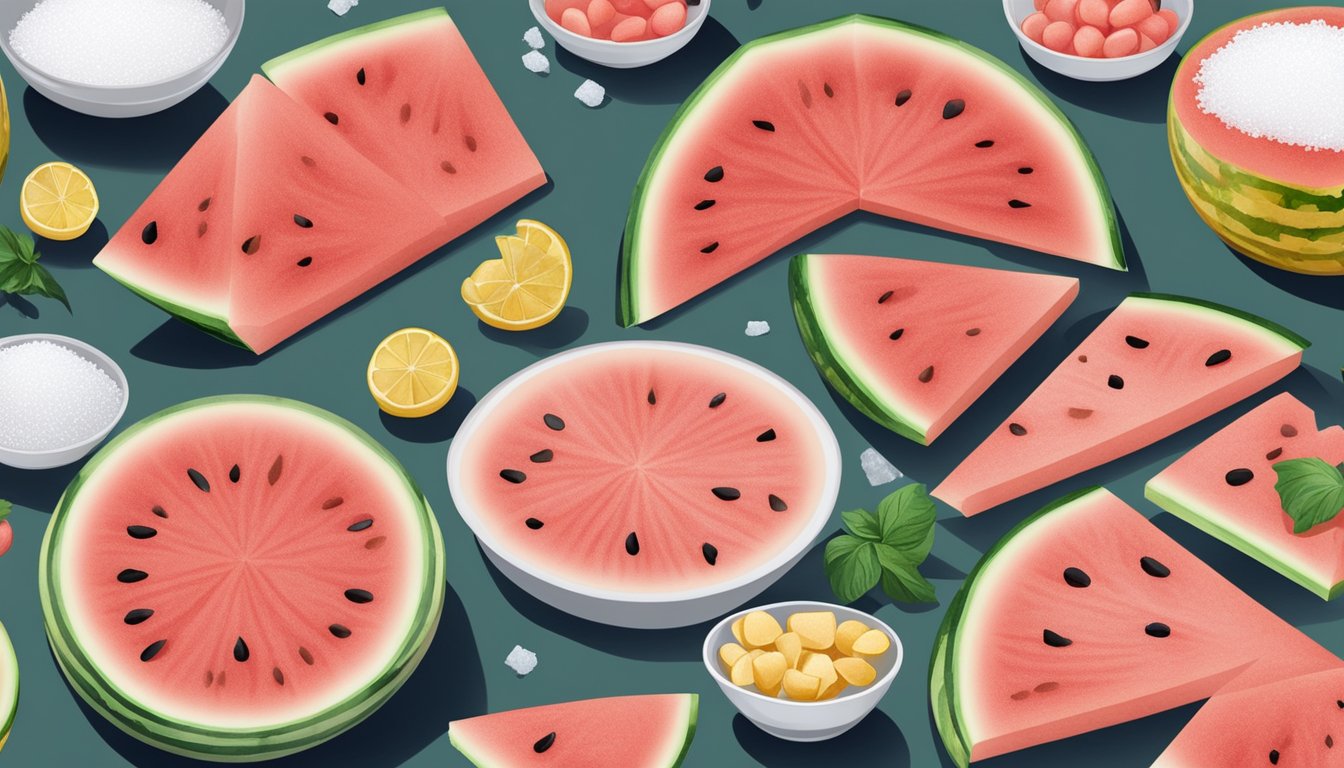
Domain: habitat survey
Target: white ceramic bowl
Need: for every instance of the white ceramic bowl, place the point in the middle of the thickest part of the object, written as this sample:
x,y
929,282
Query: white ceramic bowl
x,y
59,457
1097,70
805,720
622,55
118,101
623,608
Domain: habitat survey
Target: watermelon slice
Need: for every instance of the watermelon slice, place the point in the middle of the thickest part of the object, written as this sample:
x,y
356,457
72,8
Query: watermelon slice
x,y
800,128
1156,365
266,226
409,94
239,578
1085,616
645,484
9,686
628,731
912,344
1291,724
1225,486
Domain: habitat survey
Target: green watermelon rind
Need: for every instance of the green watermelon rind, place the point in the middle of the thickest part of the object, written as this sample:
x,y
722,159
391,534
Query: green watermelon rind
x,y
238,745
9,673
947,706
1259,323
203,320
627,311
297,55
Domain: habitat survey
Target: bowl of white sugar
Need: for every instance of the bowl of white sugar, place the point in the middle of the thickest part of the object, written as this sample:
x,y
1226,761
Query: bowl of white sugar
x,y
118,58
59,398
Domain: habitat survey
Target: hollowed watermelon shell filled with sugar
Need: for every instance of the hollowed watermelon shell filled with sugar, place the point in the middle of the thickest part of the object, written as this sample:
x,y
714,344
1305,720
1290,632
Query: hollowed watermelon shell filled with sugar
x,y
800,128
1225,487
1085,616
644,484
239,578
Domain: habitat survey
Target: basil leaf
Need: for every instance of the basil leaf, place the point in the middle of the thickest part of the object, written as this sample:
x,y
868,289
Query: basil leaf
x,y
5,509
840,546
1310,490
854,572
861,523
906,520
907,585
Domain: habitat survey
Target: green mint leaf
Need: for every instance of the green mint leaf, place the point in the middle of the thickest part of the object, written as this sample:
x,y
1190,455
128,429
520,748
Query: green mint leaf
x,y
839,547
893,559
18,247
854,569
907,585
13,274
862,523
5,509
906,520
42,283
1311,491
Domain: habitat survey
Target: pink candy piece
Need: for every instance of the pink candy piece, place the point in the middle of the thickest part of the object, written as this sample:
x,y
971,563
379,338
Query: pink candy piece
x,y
1058,36
1061,10
1088,41
1040,5
629,29
1034,26
576,21
1096,13
1121,42
667,19
1173,21
600,12
556,8
1146,43
1154,28
631,7
1127,13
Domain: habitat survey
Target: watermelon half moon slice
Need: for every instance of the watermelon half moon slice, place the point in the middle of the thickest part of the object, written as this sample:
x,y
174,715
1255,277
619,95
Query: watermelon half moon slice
x,y
800,128
644,484
911,344
1155,365
1085,616
654,731
1225,487
240,578
9,686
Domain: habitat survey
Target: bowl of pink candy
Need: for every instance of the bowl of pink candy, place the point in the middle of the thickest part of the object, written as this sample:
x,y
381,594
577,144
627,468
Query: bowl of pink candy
x,y
1099,39
621,33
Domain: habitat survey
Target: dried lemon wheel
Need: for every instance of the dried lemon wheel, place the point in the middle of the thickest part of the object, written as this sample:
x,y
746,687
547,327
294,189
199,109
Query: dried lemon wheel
x,y
413,373
527,286
58,201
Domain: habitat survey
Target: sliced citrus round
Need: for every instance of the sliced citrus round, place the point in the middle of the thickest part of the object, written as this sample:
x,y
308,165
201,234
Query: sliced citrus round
x,y
413,373
527,286
58,201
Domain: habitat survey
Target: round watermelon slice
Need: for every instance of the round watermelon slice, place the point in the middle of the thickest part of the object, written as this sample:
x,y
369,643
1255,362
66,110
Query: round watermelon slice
x,y
644,484
9,686
239,578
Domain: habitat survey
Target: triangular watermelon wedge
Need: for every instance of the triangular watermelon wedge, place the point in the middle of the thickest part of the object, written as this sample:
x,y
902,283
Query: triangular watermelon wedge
x,y
1085,616
912,344
652,731
800,128
1155,365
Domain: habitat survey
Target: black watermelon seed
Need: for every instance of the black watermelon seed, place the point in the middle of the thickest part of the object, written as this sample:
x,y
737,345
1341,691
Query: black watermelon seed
x,y
883,298
903,97
240,652
278,675
986,144
712,247
1239,476
333,502
138,616
1218,358
306,655
1046,687
360,77
150,233
1055,640
339,631
653,399
273,476
764,125
632,544
1329,741
1340,703
235,474
710,552
554,422
333,118
777,504
533,523
512,475
205,205
199,480
1273,757
152,650
1080,413
1154,567
544,743
717,400
375,542
209,678
141,532
1015,203
252,244
160,512
405,113
1077,578
359,596
704,205
953,108
1017,429
714,175
972,331
131,576
897,334
1288,430
303,221
1082,358
542,456
828,90
1020,695
1157,629
305,261
471,143
926,375
448,167
1026,170
1115,382
362,525
1274,454
727,494
1136,342
766,436
201,229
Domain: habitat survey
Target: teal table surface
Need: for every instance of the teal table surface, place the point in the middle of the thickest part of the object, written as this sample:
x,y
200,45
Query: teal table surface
x,y
593,157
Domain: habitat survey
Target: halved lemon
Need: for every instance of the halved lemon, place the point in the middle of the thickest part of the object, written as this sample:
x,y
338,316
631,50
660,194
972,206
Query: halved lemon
x,y
58,201
413,373
527,286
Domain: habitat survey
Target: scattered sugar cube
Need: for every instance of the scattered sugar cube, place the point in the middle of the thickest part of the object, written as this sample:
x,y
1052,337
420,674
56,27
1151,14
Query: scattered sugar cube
x,y
341,7
536,61
877,469
521,660
534,39
591,94
757,327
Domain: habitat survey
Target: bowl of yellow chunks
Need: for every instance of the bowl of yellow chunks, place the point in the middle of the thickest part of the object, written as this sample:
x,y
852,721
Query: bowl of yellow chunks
x,y
803,671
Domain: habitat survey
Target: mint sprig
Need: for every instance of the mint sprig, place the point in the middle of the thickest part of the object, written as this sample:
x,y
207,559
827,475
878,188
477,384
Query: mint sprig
x,y
884,548
1311,491
5,509
20,274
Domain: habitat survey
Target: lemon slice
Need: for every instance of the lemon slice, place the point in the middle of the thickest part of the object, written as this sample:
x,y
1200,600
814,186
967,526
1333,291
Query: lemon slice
x,y
527,286
58,201
413,373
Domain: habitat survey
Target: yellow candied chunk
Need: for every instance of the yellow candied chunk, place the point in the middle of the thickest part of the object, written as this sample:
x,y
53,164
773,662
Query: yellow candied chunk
x,y
741,673
791,646
760,629
800,686
874,642
729,653
846,634
820,666
833,691
855,671
768,670
816,628
771,692
738,635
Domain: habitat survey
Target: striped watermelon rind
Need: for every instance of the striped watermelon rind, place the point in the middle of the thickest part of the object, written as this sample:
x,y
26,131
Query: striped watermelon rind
x,y
9,686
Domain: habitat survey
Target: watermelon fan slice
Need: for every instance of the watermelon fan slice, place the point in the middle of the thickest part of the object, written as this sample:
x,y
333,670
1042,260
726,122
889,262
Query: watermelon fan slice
x,y
1086,616
652,731
798,129
1155,365
912,344
1225,486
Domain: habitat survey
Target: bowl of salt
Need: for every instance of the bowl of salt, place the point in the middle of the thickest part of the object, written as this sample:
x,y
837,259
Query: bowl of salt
x,y
119,59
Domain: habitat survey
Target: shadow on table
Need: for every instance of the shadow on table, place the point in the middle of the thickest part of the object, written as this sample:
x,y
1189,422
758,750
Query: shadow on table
x,y
20,304
37,489
669,81
179,345
448,685
875,741
1138,99
436,427
74,253
1325,290
565,329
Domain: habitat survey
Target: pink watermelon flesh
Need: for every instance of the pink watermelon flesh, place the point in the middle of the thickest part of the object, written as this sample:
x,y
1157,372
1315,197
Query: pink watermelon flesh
x,y
409,95
912,344
1156,365
1225,486
628,731
1086,616
642,469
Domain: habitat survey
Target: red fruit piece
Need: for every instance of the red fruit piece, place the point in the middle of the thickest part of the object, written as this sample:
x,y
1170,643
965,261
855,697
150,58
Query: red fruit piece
x,y
1061,10
1088,41
1058,36
1096,13
1121,42
1034,26
600,12
667,19
1127,13
1155,28
576,21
